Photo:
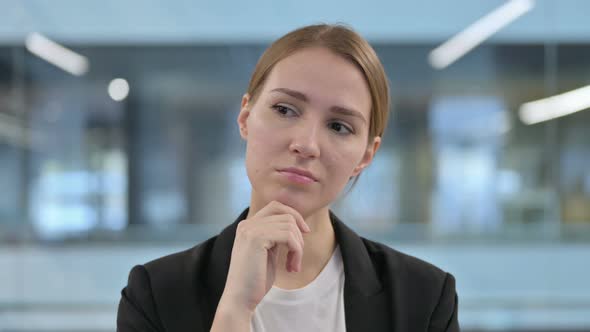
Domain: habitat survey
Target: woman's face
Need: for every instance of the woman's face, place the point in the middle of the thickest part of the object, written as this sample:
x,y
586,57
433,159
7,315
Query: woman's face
x,y
313,115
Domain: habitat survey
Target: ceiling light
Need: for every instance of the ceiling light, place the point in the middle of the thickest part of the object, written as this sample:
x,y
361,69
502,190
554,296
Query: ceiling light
x,y
476,33
56,54
557,106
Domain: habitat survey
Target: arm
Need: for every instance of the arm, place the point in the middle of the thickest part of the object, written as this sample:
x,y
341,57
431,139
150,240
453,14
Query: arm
x,y
444,317
137,310
253,263
228,318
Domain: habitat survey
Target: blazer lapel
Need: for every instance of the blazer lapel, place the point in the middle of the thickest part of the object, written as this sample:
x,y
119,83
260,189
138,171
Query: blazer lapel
x,y
219,266
365,303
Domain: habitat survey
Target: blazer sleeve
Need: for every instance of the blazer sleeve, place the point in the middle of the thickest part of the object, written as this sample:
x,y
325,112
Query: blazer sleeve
x,y
137,309
444,317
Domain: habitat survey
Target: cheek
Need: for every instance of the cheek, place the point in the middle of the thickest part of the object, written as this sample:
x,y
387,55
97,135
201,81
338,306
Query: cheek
x,y
261,137
260,146
259,126
341,164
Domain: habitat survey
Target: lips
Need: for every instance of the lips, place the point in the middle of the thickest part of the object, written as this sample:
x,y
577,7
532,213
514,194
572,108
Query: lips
x,y
299,171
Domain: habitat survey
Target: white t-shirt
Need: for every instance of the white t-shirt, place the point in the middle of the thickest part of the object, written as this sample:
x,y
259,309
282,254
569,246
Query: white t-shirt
x,y
319,306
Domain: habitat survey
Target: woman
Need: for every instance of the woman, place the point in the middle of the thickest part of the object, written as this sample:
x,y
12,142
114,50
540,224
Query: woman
x,y
313,117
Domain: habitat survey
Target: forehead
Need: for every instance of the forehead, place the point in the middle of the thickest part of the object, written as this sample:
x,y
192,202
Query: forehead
x,y
326,78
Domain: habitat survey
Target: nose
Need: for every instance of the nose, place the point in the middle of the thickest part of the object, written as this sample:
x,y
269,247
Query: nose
x,y
305,142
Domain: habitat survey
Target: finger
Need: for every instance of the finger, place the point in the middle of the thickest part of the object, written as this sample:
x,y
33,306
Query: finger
x,y
283,222
295,253
292,261
295,229
291,224
289,264
300,221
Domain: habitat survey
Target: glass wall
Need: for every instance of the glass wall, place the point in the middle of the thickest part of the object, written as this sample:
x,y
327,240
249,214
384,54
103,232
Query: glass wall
x,y
455,153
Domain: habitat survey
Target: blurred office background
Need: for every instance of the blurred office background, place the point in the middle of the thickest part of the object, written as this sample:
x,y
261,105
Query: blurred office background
x,y
118,144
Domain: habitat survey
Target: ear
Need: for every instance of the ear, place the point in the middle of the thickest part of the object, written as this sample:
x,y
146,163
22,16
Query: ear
x,y
243,116
372,148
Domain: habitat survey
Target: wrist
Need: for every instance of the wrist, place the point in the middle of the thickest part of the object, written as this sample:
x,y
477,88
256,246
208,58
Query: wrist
x,y
234,308
238,299
231,317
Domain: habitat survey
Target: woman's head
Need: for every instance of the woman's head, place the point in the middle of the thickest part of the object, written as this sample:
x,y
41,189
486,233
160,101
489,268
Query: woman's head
x,y
318,100
342,41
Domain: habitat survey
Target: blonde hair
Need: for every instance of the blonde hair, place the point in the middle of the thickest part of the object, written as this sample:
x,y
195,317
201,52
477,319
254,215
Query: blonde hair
x,y
342,41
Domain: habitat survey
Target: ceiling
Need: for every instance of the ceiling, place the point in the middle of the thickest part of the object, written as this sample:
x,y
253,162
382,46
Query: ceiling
x,y
226,21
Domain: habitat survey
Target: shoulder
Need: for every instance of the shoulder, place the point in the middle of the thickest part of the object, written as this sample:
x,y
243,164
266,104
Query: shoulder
x,y
411,273
391,267
173,273
180,266
160,294
423,291
384,254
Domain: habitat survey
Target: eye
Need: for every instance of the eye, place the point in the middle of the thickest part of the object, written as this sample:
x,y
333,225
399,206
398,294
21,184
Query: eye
x,y
337,126
283,110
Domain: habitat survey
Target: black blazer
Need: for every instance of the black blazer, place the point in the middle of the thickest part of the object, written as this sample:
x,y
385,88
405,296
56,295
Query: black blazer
x,y
384,290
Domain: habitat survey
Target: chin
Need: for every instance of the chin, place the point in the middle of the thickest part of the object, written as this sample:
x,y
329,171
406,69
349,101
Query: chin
x,y
301,202
288,198
297,201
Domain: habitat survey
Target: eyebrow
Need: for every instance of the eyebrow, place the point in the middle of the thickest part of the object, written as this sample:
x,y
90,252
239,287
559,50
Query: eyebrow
x,y
335,109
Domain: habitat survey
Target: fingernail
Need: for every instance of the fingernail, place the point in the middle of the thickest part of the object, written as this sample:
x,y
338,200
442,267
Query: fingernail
x,y
307,229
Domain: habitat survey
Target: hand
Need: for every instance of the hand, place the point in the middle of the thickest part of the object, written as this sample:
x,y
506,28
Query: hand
x,y
254,256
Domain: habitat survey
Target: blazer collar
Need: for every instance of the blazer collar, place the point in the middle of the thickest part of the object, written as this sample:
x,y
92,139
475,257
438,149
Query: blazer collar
x,y
356,259
361,279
